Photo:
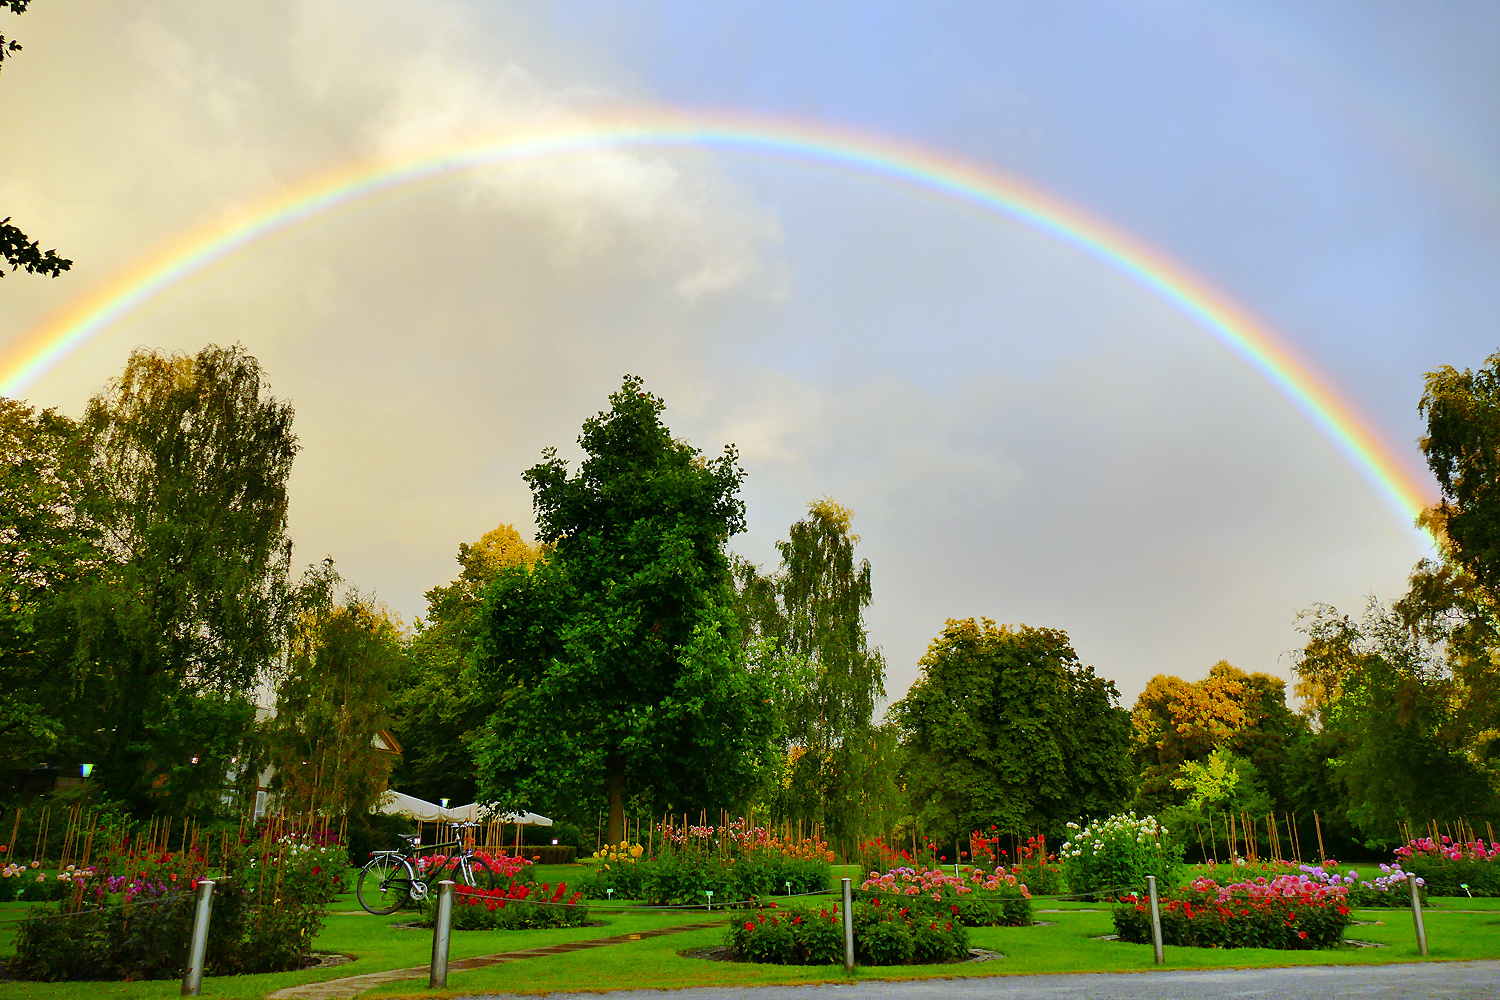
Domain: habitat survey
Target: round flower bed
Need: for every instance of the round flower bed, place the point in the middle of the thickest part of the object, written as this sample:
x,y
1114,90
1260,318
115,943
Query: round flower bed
x,y
983,899
1287,912
885,933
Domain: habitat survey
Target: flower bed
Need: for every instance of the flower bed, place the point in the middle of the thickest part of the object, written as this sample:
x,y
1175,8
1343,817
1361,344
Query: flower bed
x,y
884,934
1453,868
983,899
1287,912
131,917
735,863
520,906
1113,856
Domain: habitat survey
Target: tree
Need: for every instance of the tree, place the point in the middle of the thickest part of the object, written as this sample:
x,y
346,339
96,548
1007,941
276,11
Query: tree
x,y
186,480
1401,747
18,250
1006,727
1462,447
435,713
1177,721
614,666
332,700
47,544
812,609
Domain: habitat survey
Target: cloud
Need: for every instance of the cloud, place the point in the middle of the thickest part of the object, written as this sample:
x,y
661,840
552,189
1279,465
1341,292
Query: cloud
x,y
1021,434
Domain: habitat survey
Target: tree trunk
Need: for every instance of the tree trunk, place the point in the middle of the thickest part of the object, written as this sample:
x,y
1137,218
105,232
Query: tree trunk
x,y
616,829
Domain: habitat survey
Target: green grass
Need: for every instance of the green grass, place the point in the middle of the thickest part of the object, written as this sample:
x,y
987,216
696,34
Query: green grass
x,y
1067,945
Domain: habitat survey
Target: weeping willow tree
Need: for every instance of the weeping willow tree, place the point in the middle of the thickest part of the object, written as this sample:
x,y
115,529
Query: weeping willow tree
x,y
807,620
333,699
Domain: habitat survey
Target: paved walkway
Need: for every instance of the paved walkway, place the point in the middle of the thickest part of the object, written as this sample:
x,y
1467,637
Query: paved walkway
x,y
1415,981
352,986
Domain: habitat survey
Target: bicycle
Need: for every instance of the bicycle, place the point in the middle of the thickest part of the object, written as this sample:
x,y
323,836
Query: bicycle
x,y
391,878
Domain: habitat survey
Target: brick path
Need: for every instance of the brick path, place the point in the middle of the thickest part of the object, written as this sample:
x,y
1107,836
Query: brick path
x,y
352,986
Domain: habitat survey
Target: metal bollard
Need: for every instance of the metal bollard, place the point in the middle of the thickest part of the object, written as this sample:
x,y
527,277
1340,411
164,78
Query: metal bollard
x,y
1161,958
1416,913
848,926
442,923
192,979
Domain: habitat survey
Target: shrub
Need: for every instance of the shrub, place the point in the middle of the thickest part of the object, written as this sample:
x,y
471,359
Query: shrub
x,y
884,934
1287,912
981,900
1115,855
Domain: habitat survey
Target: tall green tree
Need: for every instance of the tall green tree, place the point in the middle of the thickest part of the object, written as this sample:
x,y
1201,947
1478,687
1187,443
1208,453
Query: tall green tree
x,y
47,545
1389,709
188,458
812,610
1005,727
614,667
17,249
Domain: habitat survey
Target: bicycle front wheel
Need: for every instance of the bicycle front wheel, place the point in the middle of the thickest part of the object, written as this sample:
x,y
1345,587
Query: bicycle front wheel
x,y
384,885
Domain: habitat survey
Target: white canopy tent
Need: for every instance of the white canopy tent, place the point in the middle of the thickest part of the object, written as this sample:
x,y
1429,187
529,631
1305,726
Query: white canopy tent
x,y
401,804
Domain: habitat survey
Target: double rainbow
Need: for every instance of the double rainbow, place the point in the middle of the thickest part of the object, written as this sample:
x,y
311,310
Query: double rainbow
x,y
967,184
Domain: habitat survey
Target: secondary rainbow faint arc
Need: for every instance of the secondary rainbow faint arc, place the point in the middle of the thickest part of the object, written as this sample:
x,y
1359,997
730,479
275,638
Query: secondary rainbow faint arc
x,y
967,183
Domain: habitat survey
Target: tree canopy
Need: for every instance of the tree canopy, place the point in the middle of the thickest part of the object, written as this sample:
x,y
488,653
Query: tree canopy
x,y
188,459
614,667
1177,722
1006,727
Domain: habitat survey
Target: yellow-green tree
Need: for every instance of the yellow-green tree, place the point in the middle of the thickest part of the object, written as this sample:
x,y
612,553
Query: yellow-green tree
x,y
333,699
435,713
1177,721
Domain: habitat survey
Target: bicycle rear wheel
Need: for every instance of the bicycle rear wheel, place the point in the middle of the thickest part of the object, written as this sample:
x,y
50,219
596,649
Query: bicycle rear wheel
x,y
384,884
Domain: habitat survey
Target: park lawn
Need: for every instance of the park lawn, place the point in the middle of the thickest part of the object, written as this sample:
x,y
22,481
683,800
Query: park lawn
x,y
1068,945
378,945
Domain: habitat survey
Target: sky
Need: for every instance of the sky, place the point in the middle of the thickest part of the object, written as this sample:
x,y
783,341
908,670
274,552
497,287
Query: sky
x,y
1023,433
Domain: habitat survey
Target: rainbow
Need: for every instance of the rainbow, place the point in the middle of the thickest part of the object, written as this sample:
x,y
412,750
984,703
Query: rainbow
x,y
191,253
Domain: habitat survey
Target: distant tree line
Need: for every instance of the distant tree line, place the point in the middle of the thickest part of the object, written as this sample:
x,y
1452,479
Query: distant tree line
x,y
626,664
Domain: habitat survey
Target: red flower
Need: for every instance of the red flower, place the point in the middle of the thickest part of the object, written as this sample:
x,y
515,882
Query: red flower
x,y
749,926
1302,935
